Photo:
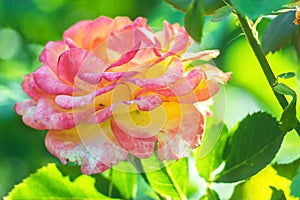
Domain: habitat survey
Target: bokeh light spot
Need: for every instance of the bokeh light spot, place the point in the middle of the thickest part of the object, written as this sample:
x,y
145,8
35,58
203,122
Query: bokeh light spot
x,y
10,43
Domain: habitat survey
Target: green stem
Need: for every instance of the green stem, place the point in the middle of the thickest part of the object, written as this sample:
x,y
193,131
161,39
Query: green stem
x,y
264,64
110,188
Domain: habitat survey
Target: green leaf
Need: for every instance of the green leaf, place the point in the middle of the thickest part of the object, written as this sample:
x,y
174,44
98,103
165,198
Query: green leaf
x,y
170,181
49,183
251,147
207,165
210,195
296,44
194,19
277,194
295,186
289,170
274,38
182,5
221,14
144,190
105,186
125,182
258,186
211,6
287,75
256,8
288,118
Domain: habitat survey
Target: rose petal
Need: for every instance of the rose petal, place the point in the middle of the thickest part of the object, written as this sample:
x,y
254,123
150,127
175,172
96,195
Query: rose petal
x,y
176,40
45,116
173,74
181,40
49,83
76,32
51,53
96,77
184,86
183,129
69,102
205,90
69,64
94,150
137,123
128,56
120,22
101,115
146,103
22,108
94,32
123,39
140,147
202,55
215,73
31,88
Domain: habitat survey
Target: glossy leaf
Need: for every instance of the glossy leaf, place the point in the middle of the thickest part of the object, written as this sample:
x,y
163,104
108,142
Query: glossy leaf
x,y
274,38
277,194
288,170
125,182
170,181
296,44
207,165
115,189
221,14
251,147
295,187
258,186
182,5
211,6
49,183
256,8
287,75
288,118
210,195
194,19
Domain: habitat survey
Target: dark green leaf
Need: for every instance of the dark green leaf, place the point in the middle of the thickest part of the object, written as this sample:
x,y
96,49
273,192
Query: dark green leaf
x,y
49,183
70,170
288,118
182,5
170,181
210,195
194,19
287,75
295,187
277,194
221,14
211,6
206,165
256,8
252,146
103,184
296,44
287,170
274,38
285,90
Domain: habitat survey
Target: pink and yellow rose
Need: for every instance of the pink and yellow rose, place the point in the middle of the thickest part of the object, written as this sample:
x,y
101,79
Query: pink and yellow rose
x,y
113,87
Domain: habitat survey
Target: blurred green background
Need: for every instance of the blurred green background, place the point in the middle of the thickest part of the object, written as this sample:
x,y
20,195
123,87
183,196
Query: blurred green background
x,y
27,25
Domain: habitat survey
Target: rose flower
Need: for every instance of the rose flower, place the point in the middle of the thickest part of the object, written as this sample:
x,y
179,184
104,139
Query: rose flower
x,y
113,87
